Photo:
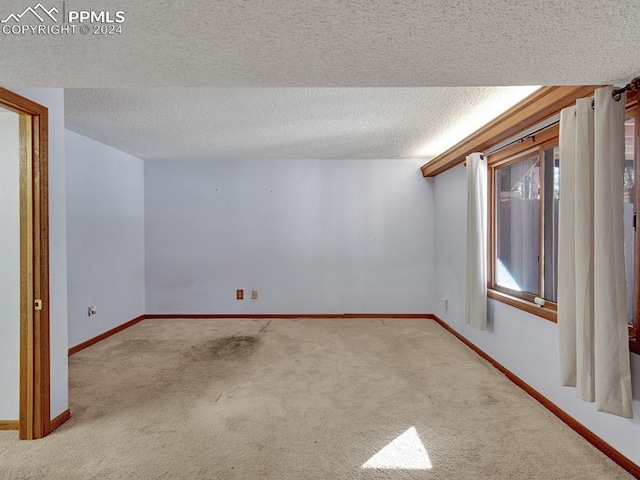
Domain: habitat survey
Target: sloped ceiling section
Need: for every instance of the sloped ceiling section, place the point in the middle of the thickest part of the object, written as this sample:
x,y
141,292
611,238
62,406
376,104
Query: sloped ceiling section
x,y
361,43
284,123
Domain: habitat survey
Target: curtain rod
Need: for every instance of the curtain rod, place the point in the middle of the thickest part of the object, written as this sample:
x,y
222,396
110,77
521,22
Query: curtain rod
x,y
634,85
519,140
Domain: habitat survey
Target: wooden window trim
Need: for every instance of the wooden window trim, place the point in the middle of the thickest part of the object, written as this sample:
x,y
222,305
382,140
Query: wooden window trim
x,y
530,147
508,156
634,345
545,312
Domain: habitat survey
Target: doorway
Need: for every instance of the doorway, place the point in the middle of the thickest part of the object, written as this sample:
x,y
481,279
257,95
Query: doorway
x,y
34,370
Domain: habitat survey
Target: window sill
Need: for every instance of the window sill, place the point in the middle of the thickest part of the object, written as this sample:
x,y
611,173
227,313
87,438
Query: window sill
x,y
521,304
546,313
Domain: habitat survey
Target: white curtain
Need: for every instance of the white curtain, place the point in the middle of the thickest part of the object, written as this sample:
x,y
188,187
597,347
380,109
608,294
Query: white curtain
x,y
476,281
592,315
575,253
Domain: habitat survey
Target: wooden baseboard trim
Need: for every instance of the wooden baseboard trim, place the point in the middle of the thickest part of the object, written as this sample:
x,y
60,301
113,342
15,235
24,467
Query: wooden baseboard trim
x,y
591,437
102,336
9,425
275,316
59,420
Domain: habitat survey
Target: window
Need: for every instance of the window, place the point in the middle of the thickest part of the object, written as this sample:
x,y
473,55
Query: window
x,y
523,222
631,207
629,212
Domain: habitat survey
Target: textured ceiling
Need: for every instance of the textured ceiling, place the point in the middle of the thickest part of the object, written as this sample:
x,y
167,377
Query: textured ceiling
x,y
313,44
284,123
333,43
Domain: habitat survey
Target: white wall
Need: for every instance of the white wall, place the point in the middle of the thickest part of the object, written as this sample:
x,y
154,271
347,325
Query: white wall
x,y
9,267
53,99
523,343
312,236
105,237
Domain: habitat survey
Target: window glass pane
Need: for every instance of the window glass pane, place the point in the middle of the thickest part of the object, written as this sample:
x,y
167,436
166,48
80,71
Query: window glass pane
x,y
629,185
517,225
550,219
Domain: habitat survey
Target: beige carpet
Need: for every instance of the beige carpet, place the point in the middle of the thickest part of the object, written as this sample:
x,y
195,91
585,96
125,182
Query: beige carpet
x,y
297,399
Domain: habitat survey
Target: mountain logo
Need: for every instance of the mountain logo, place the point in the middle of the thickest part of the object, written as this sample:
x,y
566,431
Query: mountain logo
x,y
39,11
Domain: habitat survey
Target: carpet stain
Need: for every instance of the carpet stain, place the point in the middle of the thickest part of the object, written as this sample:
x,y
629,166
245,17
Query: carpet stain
x,y
264,327
225,349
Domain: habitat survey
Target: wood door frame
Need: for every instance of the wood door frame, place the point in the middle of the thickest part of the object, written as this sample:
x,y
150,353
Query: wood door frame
x,y
35,411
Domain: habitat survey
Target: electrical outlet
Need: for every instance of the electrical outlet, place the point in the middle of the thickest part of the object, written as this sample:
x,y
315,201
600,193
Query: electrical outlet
x,y
239,294
254,294
92,311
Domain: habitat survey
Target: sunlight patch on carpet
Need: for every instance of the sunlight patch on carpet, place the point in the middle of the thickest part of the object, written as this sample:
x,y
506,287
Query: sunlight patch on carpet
x,y
406,452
